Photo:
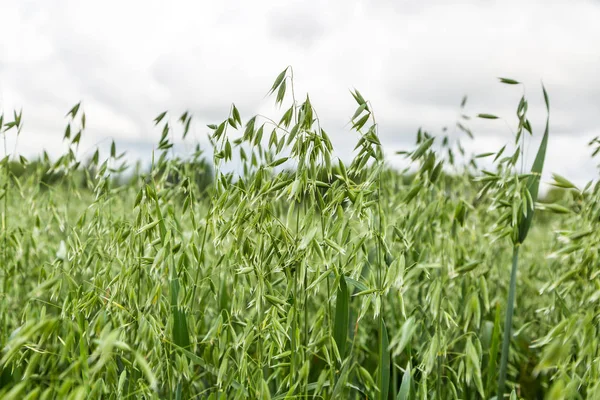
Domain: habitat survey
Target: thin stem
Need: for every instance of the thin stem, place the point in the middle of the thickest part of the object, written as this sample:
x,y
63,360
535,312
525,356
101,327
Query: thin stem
x,y
305,306
201,261
5,214
508,323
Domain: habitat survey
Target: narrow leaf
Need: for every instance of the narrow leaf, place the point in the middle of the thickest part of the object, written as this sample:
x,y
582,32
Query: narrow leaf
x,y
487,116
159,118
509,81
342,312
383,379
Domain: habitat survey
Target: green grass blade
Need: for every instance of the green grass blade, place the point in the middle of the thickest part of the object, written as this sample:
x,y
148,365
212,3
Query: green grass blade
x,y
534,181
342,310
493,352
340,385
406,385
383,379
181,335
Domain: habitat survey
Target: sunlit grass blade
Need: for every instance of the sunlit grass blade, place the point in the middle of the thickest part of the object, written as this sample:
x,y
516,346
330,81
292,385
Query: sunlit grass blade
x,y
533,184
406,386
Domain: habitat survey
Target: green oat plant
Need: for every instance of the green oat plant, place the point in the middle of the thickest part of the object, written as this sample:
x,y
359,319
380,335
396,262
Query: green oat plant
x,y
265,267
517,194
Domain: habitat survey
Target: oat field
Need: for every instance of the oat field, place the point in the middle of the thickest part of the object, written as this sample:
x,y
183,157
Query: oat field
x,y
266,268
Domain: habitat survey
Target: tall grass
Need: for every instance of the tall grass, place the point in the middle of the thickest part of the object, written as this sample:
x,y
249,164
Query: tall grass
x,y
297,275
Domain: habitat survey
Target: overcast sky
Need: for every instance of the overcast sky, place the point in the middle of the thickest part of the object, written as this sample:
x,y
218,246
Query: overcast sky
x,y
414,60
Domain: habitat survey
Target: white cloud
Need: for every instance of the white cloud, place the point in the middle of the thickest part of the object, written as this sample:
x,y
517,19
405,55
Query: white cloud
x,y
128,61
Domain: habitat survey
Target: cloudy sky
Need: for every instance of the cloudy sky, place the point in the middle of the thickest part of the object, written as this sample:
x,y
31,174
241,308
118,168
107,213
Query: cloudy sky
x,y
414,60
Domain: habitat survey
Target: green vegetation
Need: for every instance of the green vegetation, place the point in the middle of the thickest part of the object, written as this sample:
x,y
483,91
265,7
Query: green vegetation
x,y
297,275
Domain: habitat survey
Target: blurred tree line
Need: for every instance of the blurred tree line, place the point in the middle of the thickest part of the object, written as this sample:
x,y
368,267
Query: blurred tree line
x,y
199,169
45,173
